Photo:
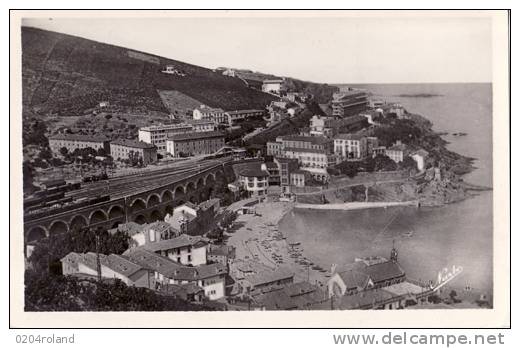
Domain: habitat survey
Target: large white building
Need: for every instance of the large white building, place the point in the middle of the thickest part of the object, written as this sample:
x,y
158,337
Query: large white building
x,y
353,146
254,178
157,135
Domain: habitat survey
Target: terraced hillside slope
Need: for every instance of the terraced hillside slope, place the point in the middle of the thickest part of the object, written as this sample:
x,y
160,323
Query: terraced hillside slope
x,y
67,75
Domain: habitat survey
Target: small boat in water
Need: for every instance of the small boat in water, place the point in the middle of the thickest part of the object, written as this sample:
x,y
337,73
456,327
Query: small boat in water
x,y
408,234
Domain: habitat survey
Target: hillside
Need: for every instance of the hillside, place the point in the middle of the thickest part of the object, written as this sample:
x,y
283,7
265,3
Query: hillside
x,y
321,92
67,76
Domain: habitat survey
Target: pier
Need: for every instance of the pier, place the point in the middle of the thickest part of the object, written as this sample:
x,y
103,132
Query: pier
x,y
355,205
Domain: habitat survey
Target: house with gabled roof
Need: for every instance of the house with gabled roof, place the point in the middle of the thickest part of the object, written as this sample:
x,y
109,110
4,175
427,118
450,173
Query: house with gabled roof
x,y
210,277
366,274
112,266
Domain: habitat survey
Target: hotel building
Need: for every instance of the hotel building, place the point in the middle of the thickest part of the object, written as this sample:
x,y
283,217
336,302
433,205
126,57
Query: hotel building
x,y
157,135
349,103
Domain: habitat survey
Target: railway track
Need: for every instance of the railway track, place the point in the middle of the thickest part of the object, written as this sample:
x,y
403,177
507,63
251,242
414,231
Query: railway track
x,y
121,186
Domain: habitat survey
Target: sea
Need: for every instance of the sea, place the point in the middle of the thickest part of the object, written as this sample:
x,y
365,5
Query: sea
x,y
428,239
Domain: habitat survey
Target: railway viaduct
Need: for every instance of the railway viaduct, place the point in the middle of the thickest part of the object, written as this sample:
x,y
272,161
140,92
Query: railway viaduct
x,y
141,207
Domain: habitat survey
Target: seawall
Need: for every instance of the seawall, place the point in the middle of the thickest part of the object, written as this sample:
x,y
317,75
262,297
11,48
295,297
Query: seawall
x,y
355,205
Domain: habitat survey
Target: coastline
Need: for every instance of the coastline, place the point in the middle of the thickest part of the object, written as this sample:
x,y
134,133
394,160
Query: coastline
x,y
258,239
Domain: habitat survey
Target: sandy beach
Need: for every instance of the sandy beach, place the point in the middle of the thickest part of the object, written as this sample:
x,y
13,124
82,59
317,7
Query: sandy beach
x,y
256,237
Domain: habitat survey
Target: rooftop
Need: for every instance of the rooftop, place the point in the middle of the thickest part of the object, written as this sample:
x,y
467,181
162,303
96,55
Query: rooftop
x,y
300,295
166,127
398,147
178,218
351,120
253,169
222,250
132,228
349,136
348,93
191,122
133,143
238,112
117,263
171,269
195,135
79,137
384,270
354,279
181,289
269,277
271,165
421,152
182,241
364,298
209,203
310,139
205,108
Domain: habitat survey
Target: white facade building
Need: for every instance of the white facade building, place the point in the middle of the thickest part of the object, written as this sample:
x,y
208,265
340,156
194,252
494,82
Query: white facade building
x,y
254,179
349,146
420,158
207,113
157,135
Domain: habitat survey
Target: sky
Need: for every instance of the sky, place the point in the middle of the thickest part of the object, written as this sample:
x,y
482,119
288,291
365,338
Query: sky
x,y
328,50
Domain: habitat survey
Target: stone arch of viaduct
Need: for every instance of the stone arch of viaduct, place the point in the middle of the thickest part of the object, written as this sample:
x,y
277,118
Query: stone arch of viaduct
x,y
142,207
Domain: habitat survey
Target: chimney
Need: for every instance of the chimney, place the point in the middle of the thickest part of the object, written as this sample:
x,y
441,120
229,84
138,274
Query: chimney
x,y
263,166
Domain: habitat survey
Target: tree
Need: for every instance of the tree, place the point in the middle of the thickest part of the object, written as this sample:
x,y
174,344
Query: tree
x,y
46,154
409,164
66,293
133,158
453,296
34,133
369,164
333,171
101,152
384,163
48,252
28,177
64,151
350,169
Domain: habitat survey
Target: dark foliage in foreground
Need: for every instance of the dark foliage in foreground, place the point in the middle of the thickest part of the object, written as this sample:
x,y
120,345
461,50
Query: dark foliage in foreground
x,y
67,293
48,252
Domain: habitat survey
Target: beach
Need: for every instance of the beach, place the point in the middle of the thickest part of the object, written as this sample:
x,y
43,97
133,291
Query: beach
x,y
256,237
